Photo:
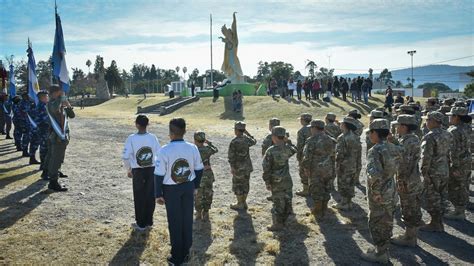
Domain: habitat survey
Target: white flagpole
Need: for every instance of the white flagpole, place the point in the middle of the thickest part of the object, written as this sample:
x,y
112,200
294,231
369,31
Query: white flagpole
x,y
212,75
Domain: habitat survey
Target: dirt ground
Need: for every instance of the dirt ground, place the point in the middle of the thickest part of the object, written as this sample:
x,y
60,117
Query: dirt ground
x,y
91,222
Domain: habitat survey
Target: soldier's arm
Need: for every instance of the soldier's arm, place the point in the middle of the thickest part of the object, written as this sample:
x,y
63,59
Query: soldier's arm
x,y
340,149
265,146
426,155
212,147
267,168
230,154
307,156
251,140
300,141
70,112
375,172
292,147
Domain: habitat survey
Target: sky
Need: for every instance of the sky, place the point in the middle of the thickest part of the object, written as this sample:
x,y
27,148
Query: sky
x,y
349,36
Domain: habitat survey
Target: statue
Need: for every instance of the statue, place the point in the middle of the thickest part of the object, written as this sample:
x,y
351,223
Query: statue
x,y
102,89
231,65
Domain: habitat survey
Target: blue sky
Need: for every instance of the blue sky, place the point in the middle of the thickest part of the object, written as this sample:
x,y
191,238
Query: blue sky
x,y
355,35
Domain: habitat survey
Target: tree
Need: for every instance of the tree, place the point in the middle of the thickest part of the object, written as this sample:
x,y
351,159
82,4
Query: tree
x,y
371,71
43,72
398,84
98,66
88,64
469,90
21,74
193,77
112,76
79,82
281,70
263,71
440,87
325,74
177,70
311,66
386,77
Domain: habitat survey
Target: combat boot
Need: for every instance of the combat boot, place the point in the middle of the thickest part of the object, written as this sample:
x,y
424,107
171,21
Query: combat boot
x,y
205,215
8,136
408,239
244,201
240,203
276,226
376,255
25,154
33,160
304,192
436,224
55,186
343,205
457,214
317,210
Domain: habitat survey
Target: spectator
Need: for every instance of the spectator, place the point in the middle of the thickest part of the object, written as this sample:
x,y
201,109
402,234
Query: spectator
x,y
291,87
354,90
307,89
282,84
389,99
400,99
234,101
359,87
344,89
144,93
365,90
329,89
273,87
239,101
193,87
322,89
315,89
298,89
336,86
370,86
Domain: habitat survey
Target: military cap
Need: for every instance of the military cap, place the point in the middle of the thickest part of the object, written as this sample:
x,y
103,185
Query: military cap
x,y
306,117
239,125
435,115
406,120
318,123
444,109
331,116
406,108
274,122
379,123
353,112
460,104
376,114
200,136
461,111
278,131
350,120
448,101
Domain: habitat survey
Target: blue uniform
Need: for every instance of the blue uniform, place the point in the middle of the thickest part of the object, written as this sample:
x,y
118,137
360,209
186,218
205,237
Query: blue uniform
x,y
17,121
7,113
39,135
24,124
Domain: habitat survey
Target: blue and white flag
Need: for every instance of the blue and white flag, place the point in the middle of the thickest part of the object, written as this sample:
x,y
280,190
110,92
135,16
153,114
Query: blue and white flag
x,y
471,107
59,60
11,83
33,85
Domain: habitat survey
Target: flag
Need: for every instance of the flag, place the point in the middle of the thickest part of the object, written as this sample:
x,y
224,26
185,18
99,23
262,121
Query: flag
x,y
471,107
59,60
11,83
33,85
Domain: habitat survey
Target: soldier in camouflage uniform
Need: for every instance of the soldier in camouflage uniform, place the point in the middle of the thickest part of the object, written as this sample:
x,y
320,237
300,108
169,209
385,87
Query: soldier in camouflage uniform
x,y
435,148
25,126
444,109
332,127
17,120
348,161
240,164
383,162
409,184
460,166
276,174
374,114
267,141
303,134
360,128
318,164
204,193
39,135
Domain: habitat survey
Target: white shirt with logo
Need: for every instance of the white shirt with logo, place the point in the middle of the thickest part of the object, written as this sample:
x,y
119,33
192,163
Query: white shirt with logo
x,y
177,162
140,151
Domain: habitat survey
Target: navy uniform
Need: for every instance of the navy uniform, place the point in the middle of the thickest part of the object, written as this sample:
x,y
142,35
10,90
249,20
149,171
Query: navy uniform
x,y
7,112
17,120
25,125
39,135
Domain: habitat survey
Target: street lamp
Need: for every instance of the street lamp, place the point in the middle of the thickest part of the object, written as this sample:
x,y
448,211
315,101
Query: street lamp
x,y
411,53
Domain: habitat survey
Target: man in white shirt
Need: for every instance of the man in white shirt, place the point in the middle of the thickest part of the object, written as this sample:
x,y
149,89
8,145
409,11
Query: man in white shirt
x,y
139,156
178,173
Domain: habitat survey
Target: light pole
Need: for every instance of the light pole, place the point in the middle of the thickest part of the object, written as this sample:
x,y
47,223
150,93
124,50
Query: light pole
x,y
411,53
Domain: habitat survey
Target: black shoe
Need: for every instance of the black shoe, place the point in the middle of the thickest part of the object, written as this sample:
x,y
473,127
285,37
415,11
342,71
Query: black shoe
x,y
33,160
8,137
25,154
55,186
19,149
44,175
61,175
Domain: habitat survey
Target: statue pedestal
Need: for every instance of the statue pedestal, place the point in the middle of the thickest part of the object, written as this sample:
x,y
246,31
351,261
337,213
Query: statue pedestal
x,y
246,89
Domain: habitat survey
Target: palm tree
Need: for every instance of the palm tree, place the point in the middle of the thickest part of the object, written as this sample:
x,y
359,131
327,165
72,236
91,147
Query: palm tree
x,y
311,66
88,64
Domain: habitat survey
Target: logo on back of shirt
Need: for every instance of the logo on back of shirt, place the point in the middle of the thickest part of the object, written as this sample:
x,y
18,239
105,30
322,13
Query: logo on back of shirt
x,y
180,171
144,157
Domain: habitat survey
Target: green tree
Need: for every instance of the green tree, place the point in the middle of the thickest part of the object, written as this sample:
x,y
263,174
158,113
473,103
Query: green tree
x,y
386,77
263,71
79,82
311,66
88,64
112,76
440,87
98,66
43,72
281,70
193,77
469,90
21,74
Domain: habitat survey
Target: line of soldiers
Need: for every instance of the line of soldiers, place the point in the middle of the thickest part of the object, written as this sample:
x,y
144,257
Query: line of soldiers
x,y
40,125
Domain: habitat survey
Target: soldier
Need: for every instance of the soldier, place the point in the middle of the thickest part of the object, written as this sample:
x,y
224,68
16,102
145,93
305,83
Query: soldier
x,y
435,147
445,109
318,165
240,164
383,162
8,113
360,126
408,178
348,161
39,135
460,165
17,121
276,174
374,114
303,134
332,127
267,141
25,125
59,110
204,193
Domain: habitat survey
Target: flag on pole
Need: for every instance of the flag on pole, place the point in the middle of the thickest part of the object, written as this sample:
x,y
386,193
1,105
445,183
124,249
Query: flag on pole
x,y
11,83
33,85
59,60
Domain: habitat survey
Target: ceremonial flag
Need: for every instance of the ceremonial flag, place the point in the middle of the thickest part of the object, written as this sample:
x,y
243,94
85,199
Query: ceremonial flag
x,y
471,107
59,60
33,85
11,85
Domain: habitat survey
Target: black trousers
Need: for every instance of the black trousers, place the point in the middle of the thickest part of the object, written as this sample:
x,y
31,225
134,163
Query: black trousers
x,y
298,93
144,195
179,201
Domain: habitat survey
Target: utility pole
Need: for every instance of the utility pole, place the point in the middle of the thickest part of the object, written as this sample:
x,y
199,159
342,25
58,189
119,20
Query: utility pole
x,y
210,36
411,53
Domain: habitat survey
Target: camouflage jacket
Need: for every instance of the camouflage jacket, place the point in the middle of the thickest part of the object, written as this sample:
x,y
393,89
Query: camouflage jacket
x,y
276,171
382,165
206,152
408,176
239,155
368,143
58,113
435,147
460,152
41,116
266,143
360,128
333,130
24,109
318,154
303,134
348,153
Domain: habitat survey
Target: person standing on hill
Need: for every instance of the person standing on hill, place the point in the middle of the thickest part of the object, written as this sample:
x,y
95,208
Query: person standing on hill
x,y
303,134
353,89
299,86
291,87
344,89
336,85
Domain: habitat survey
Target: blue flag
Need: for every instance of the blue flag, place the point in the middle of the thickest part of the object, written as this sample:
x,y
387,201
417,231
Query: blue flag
x,y
59,60
471,107
33,85
11,83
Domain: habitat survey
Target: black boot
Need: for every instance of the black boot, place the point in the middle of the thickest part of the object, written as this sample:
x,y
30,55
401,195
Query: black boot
x,y
44,175
33,160
61,175
8,137
55,186
25,154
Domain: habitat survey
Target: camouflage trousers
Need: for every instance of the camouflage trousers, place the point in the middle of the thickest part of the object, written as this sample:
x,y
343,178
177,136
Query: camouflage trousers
x,y
458,187
17,133
282,200
435,189
240,183
346,183
24,131
411,209
39,138
303,177
381,223
320,187
205,192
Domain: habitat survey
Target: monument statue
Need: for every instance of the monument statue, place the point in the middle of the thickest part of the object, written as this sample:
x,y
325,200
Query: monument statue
x,y
231,65
102,89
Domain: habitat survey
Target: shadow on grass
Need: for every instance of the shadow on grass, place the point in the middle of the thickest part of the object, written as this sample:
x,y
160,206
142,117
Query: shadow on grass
x,y
293,250
202,240
13,168
13,178
8,151
244,244
229,113
131,251
11,159
452,245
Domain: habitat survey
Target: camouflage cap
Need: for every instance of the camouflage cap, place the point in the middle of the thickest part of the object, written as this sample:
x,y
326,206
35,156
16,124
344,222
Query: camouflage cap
x,y
353,112
306,117
448,101
318,123
273,122
444,109
406,120
435,115
461,111
331,116
379,123
406,108
200,136
239,125
350,120
376,114
278,131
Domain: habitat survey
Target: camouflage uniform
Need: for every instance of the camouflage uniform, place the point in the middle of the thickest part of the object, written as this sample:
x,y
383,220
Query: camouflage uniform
x,y
331,128
24,124
444,109
39,135
17,121
276,174
303,134
267,141
373,115
205,193
383,162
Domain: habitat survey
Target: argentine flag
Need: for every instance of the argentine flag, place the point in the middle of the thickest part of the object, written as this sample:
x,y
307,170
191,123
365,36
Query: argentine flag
x,y
59,59
11,85
33,85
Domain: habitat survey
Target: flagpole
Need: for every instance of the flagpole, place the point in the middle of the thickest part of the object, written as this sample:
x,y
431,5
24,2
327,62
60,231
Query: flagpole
x,y
212,75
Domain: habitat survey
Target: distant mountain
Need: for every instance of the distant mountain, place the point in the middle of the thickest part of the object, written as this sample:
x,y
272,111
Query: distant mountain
x,y
453,76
